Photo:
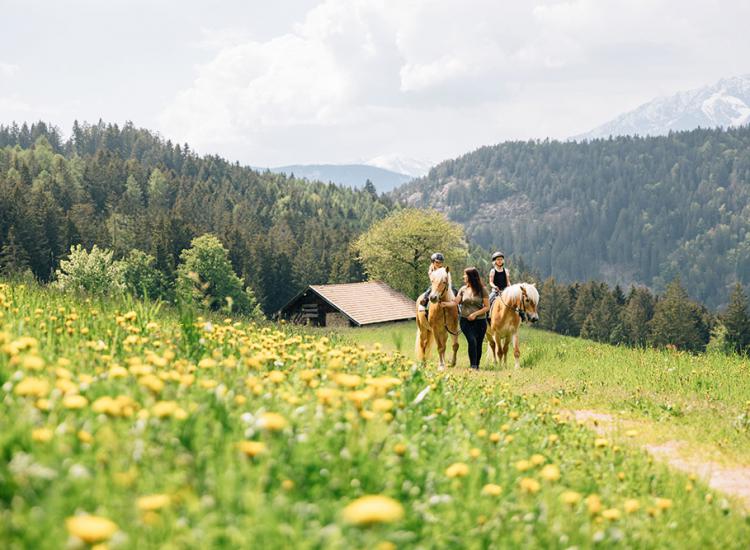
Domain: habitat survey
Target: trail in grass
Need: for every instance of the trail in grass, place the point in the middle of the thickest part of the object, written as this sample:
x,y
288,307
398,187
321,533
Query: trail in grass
x,y
732,481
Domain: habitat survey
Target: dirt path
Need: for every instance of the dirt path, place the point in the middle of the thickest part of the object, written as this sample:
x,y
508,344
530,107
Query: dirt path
x,y
734,482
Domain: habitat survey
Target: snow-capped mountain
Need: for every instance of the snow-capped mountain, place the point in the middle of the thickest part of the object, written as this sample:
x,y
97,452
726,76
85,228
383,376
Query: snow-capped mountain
x,y
402,165
726,103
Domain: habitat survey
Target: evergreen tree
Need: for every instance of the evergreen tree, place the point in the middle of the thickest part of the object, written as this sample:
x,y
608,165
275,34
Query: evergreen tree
x,y
636,315
603,322
678,321
14,259
587,298
736,320
554,310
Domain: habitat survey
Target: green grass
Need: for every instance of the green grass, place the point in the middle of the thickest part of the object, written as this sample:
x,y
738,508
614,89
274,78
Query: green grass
x,y
702,399
432,442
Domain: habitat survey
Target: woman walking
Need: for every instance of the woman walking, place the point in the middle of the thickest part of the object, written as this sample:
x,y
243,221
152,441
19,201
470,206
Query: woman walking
x,y
474,300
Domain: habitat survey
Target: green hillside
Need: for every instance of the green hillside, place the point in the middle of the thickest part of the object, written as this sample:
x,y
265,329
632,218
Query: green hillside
x,y
125,188
624,210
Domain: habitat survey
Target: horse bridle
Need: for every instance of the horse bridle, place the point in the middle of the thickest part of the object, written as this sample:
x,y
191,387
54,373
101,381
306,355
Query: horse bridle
x,y
520,311
445,316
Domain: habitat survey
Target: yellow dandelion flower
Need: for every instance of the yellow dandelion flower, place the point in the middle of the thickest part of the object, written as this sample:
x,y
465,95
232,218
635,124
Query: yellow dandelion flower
x,y
550,472
571,498
492,490
553,438
151,503
347,380
494,437
594,504
42,435
276,376
663,503
382,405
399,449
85,437
32,362
631,506
74,402
612,514
273,422
538,460
91,529
287,484
373,509
459,469
252,448
475,453
164,408
32,387
600,442
523,465
529,485
631,433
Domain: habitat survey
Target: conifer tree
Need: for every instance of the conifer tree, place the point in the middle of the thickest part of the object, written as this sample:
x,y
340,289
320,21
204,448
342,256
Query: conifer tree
x,y
554,312
737,321
678,321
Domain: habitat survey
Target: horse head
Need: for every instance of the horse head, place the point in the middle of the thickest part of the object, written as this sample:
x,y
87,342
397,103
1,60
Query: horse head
x,y
528,302
440,281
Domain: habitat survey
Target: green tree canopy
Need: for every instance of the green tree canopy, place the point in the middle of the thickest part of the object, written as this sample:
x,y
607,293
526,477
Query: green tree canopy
x,y
397,249
206,277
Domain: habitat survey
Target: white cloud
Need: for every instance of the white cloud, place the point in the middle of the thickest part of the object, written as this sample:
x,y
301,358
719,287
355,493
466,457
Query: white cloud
x,y
8,69
359,78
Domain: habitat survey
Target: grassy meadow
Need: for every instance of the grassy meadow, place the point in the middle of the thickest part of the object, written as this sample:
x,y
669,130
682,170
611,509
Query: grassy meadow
x,y
703,400
124,425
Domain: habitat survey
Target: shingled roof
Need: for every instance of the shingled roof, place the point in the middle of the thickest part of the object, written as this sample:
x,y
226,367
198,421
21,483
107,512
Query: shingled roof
x,y
368,303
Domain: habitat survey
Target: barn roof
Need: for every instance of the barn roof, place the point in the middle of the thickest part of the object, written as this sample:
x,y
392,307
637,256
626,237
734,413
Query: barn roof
x,y
367,303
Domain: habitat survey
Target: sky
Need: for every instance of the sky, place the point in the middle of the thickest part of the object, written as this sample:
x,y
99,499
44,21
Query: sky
x,y
341,81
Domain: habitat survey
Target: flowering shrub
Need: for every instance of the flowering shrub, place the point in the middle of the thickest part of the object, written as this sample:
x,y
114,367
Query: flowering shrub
x,y
90,271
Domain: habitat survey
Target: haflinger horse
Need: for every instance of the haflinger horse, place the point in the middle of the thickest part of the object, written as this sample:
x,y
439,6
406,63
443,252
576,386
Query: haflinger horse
x,y
515,304
440,322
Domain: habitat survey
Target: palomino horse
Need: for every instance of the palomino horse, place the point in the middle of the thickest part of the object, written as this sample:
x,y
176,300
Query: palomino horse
x,y
441,321
515,304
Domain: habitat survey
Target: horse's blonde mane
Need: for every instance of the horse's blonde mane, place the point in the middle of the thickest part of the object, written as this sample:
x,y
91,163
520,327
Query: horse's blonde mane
x,y
513,293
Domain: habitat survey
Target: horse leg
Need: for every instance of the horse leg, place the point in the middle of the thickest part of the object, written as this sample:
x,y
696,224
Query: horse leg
x,y
455,348
441,350
491,346
504,352
516,350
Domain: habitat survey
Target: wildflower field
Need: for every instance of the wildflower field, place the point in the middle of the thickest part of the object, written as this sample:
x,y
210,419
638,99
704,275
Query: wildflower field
x,y
126,426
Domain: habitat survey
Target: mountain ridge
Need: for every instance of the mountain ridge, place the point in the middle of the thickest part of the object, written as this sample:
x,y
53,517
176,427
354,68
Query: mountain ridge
x,y
726,103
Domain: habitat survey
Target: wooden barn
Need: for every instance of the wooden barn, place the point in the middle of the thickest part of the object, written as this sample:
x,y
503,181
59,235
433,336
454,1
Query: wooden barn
x,y
350,304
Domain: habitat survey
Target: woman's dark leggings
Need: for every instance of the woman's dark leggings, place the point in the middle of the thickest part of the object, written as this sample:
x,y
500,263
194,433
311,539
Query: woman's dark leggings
x,y
474,332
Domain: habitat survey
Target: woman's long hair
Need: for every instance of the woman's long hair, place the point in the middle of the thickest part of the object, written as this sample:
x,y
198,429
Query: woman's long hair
x,y
475,281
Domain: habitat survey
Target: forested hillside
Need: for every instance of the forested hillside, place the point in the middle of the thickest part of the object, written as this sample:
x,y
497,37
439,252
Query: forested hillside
x,y
125,188
625,210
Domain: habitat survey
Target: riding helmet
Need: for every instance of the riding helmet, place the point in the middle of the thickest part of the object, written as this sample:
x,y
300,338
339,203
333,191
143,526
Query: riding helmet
x,y
437,257
497,255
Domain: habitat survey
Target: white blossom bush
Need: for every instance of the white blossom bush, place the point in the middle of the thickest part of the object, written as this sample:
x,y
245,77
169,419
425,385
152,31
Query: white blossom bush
x,y
92,271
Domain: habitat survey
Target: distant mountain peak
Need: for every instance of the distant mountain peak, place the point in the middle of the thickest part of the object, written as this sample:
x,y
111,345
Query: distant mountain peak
x,y
723,104
402,165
